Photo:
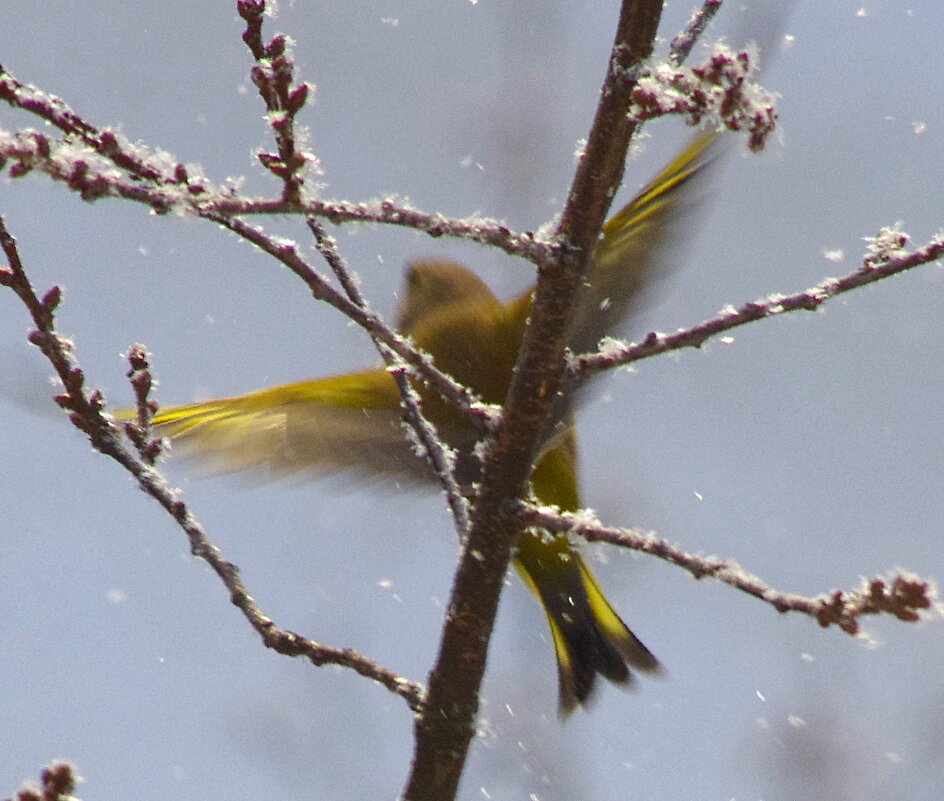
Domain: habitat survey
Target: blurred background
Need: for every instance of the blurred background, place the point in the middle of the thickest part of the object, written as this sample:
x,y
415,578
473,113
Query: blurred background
x,y
809,447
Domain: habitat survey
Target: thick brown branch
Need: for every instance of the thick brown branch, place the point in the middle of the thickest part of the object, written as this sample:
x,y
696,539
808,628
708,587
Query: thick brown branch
x,y
445,725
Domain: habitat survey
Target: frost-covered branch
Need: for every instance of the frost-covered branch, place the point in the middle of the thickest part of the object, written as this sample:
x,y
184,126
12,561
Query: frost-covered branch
x,y
720,88
80,139
885,257
425,438
85,408
901,594
286,251
100,163
272,75
446,725
685,39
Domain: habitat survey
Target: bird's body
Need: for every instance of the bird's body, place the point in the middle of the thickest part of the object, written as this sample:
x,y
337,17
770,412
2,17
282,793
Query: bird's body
x,y
352,421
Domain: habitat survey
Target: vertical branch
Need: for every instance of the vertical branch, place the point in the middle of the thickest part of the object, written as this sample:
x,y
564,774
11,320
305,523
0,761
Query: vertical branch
x,y
272,75
446,723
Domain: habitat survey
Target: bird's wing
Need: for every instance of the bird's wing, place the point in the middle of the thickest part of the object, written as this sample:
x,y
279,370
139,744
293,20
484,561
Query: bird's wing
x,y
323,425
637,242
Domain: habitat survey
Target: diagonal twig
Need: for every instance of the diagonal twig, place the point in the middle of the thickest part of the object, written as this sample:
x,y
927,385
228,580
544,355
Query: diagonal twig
x,y
884,263
424,432
85,412
901,594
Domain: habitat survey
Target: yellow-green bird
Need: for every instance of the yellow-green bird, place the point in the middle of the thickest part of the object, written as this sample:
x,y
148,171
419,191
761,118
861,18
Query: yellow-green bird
x,y
352,421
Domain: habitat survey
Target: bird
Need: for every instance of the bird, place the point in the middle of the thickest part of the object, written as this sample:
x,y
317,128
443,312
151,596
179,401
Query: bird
x,y
352,422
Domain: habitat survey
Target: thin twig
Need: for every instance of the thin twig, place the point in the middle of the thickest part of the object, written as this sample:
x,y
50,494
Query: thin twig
x,y
286,251
166,186
57,782
85,412
900,594
139,429
876,266
685,39
424,432
722,88
110,145
272,75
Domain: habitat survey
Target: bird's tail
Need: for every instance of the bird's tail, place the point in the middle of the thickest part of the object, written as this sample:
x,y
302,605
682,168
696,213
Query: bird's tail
x,y
589,637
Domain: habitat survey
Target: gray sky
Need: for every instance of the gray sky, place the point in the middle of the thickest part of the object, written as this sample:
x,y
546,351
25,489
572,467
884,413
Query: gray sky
x,y
809,448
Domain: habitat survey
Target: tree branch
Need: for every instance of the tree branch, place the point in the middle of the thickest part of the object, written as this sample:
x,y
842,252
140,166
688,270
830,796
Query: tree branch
x,y
85,158
57,782
85,412
286,252
272,75
445,725
424,435
684,40
900,594
886,258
